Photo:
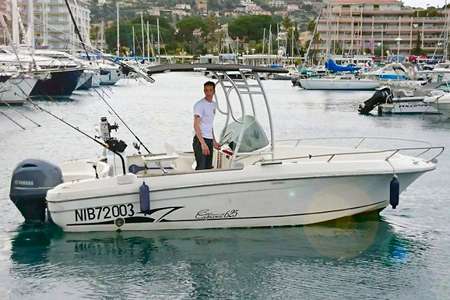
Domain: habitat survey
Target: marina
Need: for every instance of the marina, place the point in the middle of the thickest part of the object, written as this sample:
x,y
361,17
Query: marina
x,y
400,238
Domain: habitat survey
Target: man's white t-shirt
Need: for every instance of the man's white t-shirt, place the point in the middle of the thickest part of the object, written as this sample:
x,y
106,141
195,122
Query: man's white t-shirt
x,y
205,110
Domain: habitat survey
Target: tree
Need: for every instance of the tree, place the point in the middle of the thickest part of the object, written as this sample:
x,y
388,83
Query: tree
x,y
213,36
417,50
287,23
311,25
378,50
186,27
250,27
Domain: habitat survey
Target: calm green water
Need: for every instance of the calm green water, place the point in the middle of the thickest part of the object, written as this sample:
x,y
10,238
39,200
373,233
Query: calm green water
x,y
402,254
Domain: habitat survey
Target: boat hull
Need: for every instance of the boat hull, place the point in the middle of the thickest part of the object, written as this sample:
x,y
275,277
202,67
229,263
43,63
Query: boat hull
x,y
330,84
61,84
15,91
442,106
85,81
265,203
109,76
408,105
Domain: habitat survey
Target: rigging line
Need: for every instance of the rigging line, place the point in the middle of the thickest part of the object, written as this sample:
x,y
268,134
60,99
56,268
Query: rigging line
x,y
12,120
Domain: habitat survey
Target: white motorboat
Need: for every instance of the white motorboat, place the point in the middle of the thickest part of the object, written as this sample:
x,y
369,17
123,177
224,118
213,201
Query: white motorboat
x,y
256,181
341,82
400,101
394,75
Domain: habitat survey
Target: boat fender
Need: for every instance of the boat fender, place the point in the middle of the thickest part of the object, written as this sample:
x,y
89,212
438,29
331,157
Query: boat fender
x,y
394,192
144,198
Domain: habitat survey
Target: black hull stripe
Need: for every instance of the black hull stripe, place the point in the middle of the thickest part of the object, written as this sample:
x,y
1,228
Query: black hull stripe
x,y
228,183
150,220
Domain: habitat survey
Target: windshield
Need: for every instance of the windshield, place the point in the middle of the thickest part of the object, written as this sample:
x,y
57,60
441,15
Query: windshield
x,y
253,138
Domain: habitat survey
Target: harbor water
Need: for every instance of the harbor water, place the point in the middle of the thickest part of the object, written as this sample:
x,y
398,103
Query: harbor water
x,y
401,254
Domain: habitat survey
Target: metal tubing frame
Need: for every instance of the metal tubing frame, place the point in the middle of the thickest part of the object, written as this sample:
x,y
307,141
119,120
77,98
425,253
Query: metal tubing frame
x,y
227,89
391,152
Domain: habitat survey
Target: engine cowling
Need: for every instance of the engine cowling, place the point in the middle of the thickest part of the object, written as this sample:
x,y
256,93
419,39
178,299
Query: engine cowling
x,y
30,181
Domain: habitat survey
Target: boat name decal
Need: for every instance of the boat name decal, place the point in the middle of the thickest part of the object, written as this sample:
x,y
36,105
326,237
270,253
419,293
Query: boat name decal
x,y
206,214
104,212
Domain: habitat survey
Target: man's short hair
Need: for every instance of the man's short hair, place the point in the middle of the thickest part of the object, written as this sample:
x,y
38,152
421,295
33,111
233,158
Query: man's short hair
x,y
210,83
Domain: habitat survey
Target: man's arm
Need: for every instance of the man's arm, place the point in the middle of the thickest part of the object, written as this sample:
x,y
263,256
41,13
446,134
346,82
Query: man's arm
x,y
198,133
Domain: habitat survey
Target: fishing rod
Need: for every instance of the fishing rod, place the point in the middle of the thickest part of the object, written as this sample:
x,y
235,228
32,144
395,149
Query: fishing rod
x,y
76,29
12,120
18,112
101,97
113,147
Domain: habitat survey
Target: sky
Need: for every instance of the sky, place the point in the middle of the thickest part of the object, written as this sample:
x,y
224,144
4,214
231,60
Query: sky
x,y
423,3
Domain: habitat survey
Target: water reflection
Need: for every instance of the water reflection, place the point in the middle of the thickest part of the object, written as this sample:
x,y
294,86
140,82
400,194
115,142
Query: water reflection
x,y
197,263
343,239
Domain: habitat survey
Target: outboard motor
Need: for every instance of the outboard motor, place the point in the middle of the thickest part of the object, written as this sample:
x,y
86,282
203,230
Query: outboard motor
x,y
30,182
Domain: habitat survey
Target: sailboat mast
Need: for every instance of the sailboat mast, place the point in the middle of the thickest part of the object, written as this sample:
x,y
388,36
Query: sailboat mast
x,y
148,41
159,44
102,35
134,44
44,23
142,34
15,23
445,54
292,43
30,24
118,30
264,40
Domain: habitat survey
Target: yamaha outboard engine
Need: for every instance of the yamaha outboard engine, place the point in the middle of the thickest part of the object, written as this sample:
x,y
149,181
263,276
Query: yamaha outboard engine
x,y
30,182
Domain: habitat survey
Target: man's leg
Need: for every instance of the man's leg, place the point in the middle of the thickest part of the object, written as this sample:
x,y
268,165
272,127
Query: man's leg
x,y
208,159
199,157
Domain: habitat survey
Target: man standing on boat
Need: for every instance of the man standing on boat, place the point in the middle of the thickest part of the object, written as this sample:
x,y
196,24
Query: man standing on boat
x,y
204,141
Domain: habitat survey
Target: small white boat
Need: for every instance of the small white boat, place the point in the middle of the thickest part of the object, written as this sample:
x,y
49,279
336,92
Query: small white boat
x,y
256,181
400,101
343,82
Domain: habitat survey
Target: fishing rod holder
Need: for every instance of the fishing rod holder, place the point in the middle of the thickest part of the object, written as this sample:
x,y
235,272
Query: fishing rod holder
x,y
114,144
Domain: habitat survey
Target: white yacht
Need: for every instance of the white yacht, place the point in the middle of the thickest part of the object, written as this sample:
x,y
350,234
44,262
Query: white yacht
x,y
91,71
56,78
338,82
256,181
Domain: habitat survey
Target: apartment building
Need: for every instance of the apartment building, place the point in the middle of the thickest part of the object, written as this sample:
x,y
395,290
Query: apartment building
x,y
53,27
380,26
